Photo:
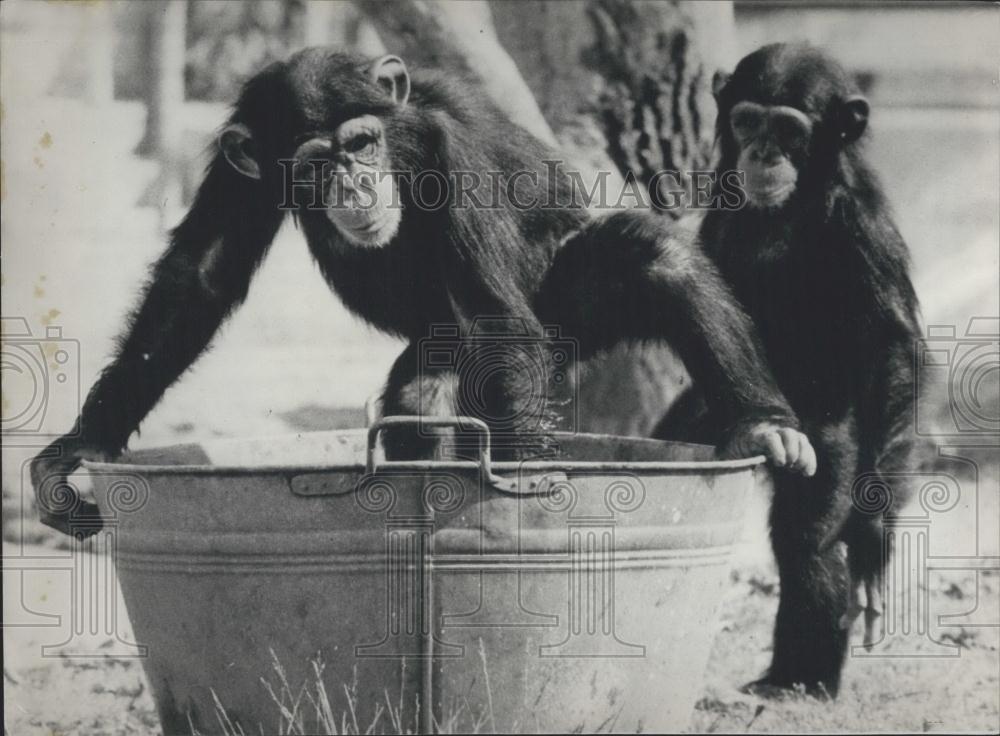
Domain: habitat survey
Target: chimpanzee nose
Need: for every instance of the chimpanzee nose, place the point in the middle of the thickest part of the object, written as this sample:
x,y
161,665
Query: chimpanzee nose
x,y
766,155
346,180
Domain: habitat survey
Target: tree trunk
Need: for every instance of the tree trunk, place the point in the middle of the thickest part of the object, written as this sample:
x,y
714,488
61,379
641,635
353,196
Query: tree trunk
x,y
165,107
85,68
632,80
655,62
342,25
164,34
460,37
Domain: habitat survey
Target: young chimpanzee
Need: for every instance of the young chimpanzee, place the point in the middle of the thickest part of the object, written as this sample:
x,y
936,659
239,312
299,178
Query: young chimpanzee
x,y
407,266
816,260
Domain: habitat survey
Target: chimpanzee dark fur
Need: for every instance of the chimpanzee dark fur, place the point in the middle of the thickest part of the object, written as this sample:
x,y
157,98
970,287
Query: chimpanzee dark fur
x,y
825,279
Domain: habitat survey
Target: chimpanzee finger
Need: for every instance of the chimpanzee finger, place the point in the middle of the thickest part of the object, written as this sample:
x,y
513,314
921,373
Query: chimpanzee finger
x,y
873,609
774,448
857,601
790,439
807,457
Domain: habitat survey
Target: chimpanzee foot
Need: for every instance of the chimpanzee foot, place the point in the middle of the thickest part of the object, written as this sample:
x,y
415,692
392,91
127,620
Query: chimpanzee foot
x,y
865,597
763,688
784,447
873,611
772,688
857,602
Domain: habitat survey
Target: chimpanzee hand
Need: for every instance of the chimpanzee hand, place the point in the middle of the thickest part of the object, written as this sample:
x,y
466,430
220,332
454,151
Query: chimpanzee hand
x,y
784,447
59,503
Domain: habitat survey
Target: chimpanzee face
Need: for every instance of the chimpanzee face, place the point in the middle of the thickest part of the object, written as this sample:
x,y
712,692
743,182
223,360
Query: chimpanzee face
x,y
773,143
352,161
359,192
783,114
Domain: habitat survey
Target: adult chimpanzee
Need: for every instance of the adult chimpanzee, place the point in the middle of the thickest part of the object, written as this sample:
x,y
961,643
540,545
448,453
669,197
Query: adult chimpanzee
x,y
818,263
405,267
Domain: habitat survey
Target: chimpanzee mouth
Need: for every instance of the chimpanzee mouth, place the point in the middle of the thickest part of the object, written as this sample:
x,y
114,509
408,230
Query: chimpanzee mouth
x,y
770,186
374,231
770,196
372,227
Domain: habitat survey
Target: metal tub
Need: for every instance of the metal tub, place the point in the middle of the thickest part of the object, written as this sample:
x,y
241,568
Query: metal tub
x,y
577,593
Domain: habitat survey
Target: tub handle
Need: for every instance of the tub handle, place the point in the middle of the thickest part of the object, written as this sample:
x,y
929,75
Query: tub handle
x,y
535,485
476,425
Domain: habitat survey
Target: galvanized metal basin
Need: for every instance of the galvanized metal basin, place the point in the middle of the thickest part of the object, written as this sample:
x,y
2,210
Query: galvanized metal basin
x,y
576,593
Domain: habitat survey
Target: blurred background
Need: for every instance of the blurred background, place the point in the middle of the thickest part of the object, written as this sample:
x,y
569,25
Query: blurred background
x,y
109,110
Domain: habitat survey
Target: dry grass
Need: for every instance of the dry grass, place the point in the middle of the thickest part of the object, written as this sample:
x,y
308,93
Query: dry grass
x,y
309,709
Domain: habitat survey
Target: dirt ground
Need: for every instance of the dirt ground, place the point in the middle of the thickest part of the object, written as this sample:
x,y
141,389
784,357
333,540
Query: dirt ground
x,y
922,691
915,694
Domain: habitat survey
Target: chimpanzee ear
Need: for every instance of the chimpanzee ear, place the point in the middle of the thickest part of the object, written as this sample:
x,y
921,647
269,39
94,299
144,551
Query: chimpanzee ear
x,y
854,118
389,72
719,81
237,146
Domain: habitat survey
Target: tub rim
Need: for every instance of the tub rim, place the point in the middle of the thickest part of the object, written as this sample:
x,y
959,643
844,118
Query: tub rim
x,y
361,466
428,465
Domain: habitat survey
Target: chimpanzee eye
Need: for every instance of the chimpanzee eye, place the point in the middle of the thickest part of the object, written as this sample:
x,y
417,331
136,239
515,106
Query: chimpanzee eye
x,y
790,131
363,146
746,125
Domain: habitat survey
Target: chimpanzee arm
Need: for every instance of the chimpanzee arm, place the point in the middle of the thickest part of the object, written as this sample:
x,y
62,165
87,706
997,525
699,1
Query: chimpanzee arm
x,y
889,323
492,265
204,273
885,419
504,372
625,277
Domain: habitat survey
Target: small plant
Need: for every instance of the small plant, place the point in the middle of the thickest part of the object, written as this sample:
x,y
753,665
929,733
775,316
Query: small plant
x,y
309,709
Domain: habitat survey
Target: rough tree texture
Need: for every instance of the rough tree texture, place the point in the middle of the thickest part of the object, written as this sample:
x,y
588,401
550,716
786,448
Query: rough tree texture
x,y
654,104
638,72
624,86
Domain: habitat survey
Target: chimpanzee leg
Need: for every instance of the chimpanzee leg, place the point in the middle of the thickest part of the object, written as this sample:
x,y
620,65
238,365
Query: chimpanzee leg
x,y
809,641
687,420
807,515
888,456
627,277
412,389
505,370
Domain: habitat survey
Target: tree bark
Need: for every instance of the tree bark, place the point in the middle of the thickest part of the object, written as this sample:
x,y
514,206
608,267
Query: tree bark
x,y
655,62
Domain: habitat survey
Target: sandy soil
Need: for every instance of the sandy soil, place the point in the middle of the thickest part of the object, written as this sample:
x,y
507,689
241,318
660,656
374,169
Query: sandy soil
x,y
53,692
